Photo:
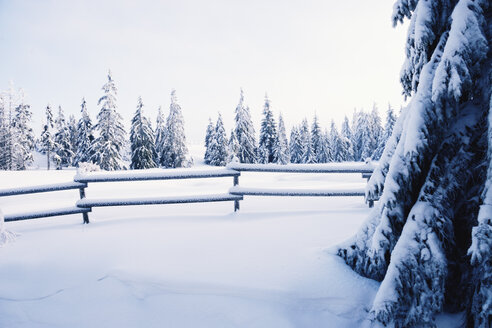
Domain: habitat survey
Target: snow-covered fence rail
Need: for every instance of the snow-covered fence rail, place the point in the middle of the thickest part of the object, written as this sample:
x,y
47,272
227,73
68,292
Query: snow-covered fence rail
x,y
49,212
143,175
365,169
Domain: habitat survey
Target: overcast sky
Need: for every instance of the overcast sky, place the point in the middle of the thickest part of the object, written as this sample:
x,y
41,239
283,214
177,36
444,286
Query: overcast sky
x,y
324,56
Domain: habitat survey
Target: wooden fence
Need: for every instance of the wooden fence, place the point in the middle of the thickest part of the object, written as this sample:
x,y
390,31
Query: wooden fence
x,y
235,194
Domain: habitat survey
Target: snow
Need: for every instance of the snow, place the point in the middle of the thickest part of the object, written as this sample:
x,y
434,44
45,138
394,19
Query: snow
x,y
296,192
347,167
199,265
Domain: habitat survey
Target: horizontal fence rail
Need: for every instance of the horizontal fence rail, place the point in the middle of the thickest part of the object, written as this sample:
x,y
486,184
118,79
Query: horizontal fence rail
x,y
235,194
295,192
304,168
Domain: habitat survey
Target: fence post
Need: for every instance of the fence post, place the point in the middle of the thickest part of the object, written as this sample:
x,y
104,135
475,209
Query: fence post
x,y
371,201
85,215
236,202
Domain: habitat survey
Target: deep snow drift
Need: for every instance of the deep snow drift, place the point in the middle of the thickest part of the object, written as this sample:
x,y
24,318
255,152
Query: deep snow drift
x,y
194,265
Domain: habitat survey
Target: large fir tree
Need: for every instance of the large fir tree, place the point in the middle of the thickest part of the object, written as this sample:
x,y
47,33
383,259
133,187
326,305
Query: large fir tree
x,y
245,132
142,141
85,136
63,146
174,148
218,144
107,148
282,147
429,238
268,135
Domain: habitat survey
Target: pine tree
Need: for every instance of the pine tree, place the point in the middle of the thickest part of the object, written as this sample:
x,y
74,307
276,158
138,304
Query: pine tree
x,y
85,137
24,137
360,136
218,144
10,100
174,150
296,147
346,147
268,135
233,148
107,148
428,240
282,146
388,129
307,146
375,131
334,143
47,140
142,141
209,134
3,134
63,147
317,142
160,134
245,133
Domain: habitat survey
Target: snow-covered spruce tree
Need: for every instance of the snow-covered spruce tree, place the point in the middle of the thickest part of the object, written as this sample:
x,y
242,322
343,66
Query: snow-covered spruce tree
x,y
218,144
10,99
319,156
334,143
360,131
174,149
108,146
282,146
307,145
142,141
388,129
433,208
268,135
63,147
47,139
245,132
208,137
346,147
160,133
233,148
24,137
296,148
374,131
85,137
72,129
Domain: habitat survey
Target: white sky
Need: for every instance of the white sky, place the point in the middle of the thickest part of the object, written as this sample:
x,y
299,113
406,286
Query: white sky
x,y
310,56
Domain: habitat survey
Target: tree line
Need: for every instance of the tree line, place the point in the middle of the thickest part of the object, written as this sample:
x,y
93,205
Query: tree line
x,y
363,139
69,142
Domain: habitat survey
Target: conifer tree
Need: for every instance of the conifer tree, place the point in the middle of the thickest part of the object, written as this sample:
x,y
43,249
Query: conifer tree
x,y
47,140
209,134
233,148
142,141
388,129
10,100
282,146
63,147
307,146
85,137
174,150
375,131
428,239
160,134
296,146
346,147
218,144
24,137
245,132
268,135
334,143
317,142
107,148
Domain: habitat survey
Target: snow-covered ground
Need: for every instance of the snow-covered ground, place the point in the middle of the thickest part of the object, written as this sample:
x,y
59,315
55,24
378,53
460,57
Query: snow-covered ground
x,y
194,265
